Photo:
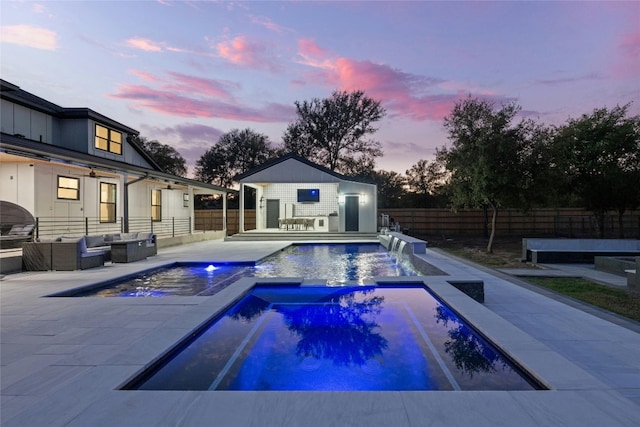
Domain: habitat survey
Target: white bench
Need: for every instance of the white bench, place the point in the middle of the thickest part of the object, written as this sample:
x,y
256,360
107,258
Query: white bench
x,y
576,250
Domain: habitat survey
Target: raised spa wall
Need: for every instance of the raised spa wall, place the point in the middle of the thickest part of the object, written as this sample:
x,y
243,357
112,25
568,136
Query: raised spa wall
x,y
415,250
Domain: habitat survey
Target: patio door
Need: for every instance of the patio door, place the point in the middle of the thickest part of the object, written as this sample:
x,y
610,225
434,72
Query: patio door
x,y
273,213
351,213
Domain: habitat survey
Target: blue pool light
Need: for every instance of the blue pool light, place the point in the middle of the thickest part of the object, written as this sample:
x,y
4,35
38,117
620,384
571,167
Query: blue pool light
x,y
211,268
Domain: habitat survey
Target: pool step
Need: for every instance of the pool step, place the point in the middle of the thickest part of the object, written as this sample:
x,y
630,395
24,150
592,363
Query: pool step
x,y
301,235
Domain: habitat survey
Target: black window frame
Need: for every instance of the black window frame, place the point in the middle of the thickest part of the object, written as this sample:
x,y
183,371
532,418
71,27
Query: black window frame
x,y
109,140
108,203
156,206
58,187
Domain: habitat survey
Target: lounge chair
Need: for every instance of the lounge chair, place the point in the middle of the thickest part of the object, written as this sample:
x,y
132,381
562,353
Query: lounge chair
x,y
19,234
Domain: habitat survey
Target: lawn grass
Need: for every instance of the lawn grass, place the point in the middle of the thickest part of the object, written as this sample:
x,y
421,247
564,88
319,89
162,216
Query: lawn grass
x,y
619,301
507,254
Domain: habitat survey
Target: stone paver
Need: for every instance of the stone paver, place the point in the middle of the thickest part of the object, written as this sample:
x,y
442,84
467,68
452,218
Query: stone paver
x,y
63,360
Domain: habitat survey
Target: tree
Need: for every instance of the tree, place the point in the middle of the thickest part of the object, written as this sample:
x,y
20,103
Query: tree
x,y
332,131
235,152
485,160
425,178
602,155
391,188
164,155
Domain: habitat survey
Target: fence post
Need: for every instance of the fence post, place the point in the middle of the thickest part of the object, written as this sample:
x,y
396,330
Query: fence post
x,y
173,226
122,224
38,227
190,230
86,226
152,225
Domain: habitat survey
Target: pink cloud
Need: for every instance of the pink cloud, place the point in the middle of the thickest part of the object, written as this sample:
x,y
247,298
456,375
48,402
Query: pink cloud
x,y
167,101
403,94
202,86
29,36
148,45
246,53
628,64
145,76
308,48
144,44
631,44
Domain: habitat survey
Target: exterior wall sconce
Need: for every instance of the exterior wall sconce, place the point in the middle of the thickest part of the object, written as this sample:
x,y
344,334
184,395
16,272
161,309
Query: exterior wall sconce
x,y
185,200
261,201
341,199
363,199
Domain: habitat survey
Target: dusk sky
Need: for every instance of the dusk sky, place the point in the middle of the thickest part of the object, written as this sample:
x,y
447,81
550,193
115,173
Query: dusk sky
x,y
184,73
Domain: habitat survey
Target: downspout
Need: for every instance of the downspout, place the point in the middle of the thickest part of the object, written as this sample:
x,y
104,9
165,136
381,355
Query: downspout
x,y
125,196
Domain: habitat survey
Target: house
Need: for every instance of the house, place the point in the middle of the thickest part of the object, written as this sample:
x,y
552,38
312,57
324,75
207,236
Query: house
x,y
79,172
293,193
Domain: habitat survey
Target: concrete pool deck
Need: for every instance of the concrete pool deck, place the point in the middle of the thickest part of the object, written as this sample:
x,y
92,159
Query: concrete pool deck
x,y
63,359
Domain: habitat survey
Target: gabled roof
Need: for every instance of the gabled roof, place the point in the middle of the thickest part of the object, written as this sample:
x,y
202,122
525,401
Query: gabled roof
x,y
278,160
20,96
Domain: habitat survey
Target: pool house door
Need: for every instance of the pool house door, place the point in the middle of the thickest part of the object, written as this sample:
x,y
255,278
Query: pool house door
x,y
352,213
273,213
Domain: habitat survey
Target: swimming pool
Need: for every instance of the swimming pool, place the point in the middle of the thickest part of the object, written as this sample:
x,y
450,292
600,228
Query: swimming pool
x,y
333,264
336,338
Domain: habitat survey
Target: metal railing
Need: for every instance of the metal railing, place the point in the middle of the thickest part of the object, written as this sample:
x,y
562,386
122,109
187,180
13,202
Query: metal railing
x,y
85,226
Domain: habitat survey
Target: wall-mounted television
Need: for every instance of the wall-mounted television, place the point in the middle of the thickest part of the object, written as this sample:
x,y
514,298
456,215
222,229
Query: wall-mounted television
x,y
308,195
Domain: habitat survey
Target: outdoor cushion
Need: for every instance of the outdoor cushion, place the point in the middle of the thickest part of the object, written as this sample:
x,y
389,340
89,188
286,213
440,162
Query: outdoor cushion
x,y
129,236
50,240
16,230
21,230
93,241
111,237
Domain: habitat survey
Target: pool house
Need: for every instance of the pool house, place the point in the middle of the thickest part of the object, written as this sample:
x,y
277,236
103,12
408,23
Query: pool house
x,y
293,194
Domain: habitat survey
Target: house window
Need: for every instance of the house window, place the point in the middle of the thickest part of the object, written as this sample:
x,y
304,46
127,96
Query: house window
x,y
108,140
68,188
156,205
107,202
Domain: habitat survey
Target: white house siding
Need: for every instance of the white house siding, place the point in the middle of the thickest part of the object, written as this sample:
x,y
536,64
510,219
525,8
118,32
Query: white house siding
x,y
368,209
17,180
45,189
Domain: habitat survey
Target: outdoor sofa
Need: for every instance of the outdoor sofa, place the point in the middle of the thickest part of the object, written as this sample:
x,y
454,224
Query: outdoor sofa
x,y
79,253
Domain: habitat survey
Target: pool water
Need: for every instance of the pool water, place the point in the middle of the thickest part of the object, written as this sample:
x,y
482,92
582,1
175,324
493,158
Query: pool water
x,y
337,263
336,338
332,263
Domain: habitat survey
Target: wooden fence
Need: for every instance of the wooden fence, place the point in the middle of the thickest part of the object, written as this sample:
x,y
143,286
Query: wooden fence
x,y
444,222
511,222
213,219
